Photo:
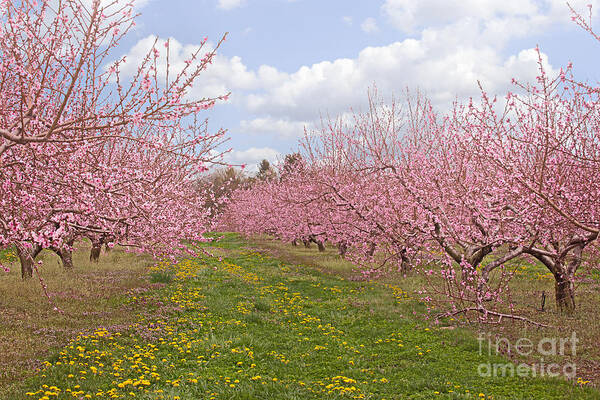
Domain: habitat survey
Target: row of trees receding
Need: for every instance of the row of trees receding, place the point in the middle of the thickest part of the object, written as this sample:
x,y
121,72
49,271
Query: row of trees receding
x,y
88,150
467,195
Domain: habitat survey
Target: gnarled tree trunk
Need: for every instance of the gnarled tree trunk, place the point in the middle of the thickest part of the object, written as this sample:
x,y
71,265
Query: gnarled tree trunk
x,y
106,240
65,253
405,264
66,256
320,245
27,258
563,267
565,293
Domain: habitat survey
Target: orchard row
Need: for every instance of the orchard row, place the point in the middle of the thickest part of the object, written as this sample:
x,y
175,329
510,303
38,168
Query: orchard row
x,y
462,197
96,148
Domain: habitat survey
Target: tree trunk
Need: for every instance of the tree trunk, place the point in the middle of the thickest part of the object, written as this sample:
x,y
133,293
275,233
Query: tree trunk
x,y
306,243
565,293
27,258
564,269
563,282
106,240
405,264
66,256
294,242
343,248
320,245
96,249
26,262
371,250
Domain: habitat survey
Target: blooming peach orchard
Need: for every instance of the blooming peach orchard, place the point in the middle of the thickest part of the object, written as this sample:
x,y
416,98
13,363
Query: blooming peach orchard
x,y
85,151
461,195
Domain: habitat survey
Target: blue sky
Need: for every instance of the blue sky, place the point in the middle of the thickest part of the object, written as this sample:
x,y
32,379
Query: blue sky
x,y
288,61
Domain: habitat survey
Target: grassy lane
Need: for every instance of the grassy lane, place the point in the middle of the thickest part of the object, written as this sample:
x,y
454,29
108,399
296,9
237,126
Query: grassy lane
x,y
251,327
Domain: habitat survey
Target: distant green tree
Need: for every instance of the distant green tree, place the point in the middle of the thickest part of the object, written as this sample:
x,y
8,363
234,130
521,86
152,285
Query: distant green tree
x,y
265,171
221,183
292,162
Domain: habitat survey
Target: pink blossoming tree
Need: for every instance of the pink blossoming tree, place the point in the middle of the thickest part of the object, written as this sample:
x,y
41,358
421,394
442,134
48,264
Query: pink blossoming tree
x,y
85,151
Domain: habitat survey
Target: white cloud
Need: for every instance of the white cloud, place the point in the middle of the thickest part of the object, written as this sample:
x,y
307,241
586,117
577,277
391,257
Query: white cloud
x,y
281,127
270,76
347,20
252,156
222,76
497,19
141,3
229,4
407,15
332,87
445,61
369,25
442,71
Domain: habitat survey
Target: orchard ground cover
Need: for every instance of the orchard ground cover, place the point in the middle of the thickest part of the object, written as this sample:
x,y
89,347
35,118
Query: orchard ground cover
x,y
527,295
250,326
30,330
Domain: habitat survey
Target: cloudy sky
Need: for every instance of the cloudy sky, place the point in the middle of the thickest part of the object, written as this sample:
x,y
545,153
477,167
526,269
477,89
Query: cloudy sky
x,y
286,62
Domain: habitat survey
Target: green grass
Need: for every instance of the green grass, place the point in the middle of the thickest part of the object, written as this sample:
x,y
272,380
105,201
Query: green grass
x,y
161,277
254,327
531,280
88,296
7,256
